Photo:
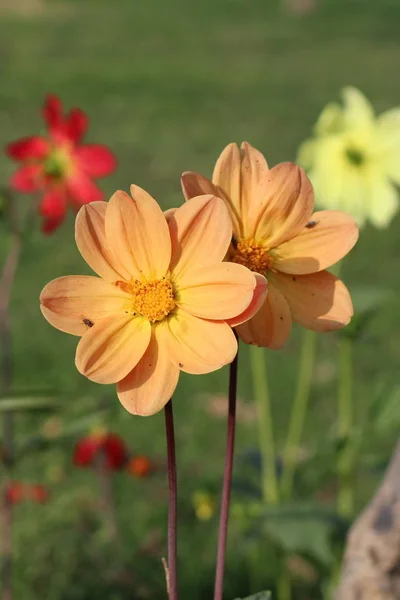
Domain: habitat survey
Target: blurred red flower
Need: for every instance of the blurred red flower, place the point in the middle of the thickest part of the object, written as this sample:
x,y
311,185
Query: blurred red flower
x,y
17,491
110,444
140,466
58,166
14,492
38,493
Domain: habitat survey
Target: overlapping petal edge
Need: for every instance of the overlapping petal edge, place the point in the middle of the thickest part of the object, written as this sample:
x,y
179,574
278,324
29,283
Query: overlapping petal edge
x,y
130,239
275,207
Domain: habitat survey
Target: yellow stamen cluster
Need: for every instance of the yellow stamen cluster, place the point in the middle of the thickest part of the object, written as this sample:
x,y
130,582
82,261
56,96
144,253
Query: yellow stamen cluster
x,y
152,299
57,164
252,255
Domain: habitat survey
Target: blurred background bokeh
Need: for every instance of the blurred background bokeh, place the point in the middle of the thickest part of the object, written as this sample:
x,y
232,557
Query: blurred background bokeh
x,y
167,85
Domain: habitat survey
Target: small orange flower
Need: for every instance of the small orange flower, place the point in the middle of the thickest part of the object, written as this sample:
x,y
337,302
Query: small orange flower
x,y
140,466
164,301
276,234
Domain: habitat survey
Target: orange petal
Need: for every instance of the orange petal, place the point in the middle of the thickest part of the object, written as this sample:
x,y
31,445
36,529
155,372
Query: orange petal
x,y
328,237
227,178
193,184
272,324
199,346
201,232
137,232
220,291
112,348
259,296
286,207
76,302
318,301
91,240
169,213
152,382
254,170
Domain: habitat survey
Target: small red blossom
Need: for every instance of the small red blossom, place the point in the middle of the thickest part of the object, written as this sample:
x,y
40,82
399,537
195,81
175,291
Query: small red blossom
x,y
58,165
38,493
17,491
110,444
140,466
14,492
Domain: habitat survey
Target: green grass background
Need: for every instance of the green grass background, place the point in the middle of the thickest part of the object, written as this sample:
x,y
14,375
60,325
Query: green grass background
x,y
167,85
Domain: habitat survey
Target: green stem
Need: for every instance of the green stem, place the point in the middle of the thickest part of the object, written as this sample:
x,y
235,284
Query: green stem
x,y
265,429
345,424
284,587
299,412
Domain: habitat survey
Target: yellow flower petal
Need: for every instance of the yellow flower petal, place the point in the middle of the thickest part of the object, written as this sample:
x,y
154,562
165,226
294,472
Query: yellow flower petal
x,y
75,303
220,291
358,111
92,242
271,325
383,202
259,296
320,301
137,233
199,346
287,206
150,385
327,238
201,231
227,177
112,348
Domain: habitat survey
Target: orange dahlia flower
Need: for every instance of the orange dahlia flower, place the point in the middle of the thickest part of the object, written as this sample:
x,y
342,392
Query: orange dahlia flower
x,y
164,301
276,234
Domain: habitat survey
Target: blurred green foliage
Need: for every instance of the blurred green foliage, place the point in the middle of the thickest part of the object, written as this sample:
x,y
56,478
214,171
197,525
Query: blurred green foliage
x,y
167,86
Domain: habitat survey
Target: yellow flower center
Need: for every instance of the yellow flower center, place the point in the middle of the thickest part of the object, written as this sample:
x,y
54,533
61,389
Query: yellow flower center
x,y
153,299
252,255
57,164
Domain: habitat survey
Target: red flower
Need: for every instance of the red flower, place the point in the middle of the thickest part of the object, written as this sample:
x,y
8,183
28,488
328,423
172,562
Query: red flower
x,y
58,166
14,492
140,466
111,445
38,493
17,491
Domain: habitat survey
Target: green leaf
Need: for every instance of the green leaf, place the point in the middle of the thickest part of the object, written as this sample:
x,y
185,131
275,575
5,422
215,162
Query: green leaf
x,y
302,528
367,298
257,596
367,301
27,404
387,412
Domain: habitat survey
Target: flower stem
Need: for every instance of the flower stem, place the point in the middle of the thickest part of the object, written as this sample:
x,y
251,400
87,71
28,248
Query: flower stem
x,y
226,486
345,419
172,580
299,412
6,284
104,475
265,429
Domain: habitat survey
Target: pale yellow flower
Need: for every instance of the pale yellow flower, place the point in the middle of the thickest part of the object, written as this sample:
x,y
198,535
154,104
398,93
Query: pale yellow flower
x,y
353,160
277,235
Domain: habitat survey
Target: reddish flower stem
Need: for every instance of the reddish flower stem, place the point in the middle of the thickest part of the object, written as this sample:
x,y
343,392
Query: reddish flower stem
x,y
172,581
227,482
